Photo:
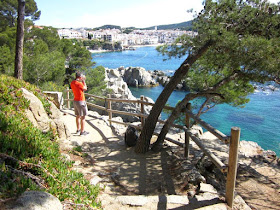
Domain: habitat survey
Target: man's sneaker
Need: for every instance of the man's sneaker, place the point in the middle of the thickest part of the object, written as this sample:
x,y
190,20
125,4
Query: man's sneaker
x,y
78,132
84,133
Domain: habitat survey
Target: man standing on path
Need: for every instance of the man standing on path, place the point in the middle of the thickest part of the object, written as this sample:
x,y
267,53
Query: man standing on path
x,y
78,87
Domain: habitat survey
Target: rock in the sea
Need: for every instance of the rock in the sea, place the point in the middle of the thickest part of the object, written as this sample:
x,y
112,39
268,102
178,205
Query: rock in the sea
x,y
138,76
120,90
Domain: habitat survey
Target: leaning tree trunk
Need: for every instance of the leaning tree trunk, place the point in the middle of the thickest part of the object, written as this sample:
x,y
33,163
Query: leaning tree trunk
x,y
179,107
157,145
19,41
207,93
143,143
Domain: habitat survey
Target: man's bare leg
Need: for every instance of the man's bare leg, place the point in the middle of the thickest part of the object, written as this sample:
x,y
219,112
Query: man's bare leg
x,y
78,122
83,121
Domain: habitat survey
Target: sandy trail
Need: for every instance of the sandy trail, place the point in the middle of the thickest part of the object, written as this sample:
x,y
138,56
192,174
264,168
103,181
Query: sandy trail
x,y
146,179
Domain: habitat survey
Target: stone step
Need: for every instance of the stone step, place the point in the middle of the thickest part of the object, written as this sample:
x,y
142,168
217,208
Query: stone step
x,y
141,202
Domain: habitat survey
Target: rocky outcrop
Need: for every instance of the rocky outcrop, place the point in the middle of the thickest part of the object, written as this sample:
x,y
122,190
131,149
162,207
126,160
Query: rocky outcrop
x,y
138,77
36,200
258,171
163,79
115,82
120,90
40,119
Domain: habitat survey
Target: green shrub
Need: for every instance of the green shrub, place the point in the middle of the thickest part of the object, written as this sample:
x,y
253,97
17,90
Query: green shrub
x,y
21,140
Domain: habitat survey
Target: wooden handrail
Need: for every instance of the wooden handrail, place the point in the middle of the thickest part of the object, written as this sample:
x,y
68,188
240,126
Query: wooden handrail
x,y
94,96
214,159
207,126
97,106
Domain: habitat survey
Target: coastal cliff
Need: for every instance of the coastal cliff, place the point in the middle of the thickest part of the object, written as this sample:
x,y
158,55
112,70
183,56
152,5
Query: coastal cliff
x,y
119,90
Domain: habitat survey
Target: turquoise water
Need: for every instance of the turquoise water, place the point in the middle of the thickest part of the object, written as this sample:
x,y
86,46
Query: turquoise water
x,y
259,120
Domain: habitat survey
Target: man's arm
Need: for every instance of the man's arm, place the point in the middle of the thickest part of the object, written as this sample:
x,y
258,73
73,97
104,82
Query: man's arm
x,y
85,85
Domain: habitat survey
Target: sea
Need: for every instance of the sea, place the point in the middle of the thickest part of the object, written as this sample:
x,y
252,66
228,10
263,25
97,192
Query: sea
x,y
259,120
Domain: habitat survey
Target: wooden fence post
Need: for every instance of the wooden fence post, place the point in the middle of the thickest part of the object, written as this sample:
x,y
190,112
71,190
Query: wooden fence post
x,y
187,137
232,165
109,108
68,98
142,111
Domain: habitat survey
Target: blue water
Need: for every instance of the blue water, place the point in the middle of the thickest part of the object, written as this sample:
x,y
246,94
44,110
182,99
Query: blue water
x,y
259,120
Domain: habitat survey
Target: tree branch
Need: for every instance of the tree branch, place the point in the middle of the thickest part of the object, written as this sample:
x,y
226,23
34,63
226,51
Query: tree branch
x,y
206,93
9,160
202,106
157,145
28,175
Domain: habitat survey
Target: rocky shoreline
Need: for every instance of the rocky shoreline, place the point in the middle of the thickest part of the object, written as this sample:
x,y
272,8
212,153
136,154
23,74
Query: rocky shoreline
x,y
140,77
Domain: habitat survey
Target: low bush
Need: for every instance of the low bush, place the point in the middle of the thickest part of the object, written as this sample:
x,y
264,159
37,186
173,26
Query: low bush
x,y
29,158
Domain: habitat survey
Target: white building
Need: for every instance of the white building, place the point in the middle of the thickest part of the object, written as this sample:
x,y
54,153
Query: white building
x,y
69,34
136,37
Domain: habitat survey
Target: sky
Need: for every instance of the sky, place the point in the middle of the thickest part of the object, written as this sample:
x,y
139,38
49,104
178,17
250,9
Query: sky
x,y
124,13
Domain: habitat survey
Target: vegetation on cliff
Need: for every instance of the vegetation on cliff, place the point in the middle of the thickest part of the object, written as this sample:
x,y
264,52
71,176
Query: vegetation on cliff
x,y
29,158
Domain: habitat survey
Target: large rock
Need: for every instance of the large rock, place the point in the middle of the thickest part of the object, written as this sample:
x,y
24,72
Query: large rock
x,y
36,200
115,82
40,119
120,90
138,76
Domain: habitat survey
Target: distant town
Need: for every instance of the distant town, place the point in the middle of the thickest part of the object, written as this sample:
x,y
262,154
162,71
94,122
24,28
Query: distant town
x,y
134,37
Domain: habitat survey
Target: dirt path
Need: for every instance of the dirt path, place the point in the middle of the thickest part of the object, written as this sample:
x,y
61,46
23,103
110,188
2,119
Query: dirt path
x,y
132,181
154,180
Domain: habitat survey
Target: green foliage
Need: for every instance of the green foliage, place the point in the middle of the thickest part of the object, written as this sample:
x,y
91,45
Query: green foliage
x,y
80,59
47,59
95,44
15,187
52,86
21,140
108,27
43,67
8,37
48,35
44,58
7,51
67,47
95,81
8,12
6,60
244,41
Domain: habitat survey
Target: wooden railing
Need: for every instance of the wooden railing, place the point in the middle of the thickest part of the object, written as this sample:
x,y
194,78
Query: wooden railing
x,y
232,140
